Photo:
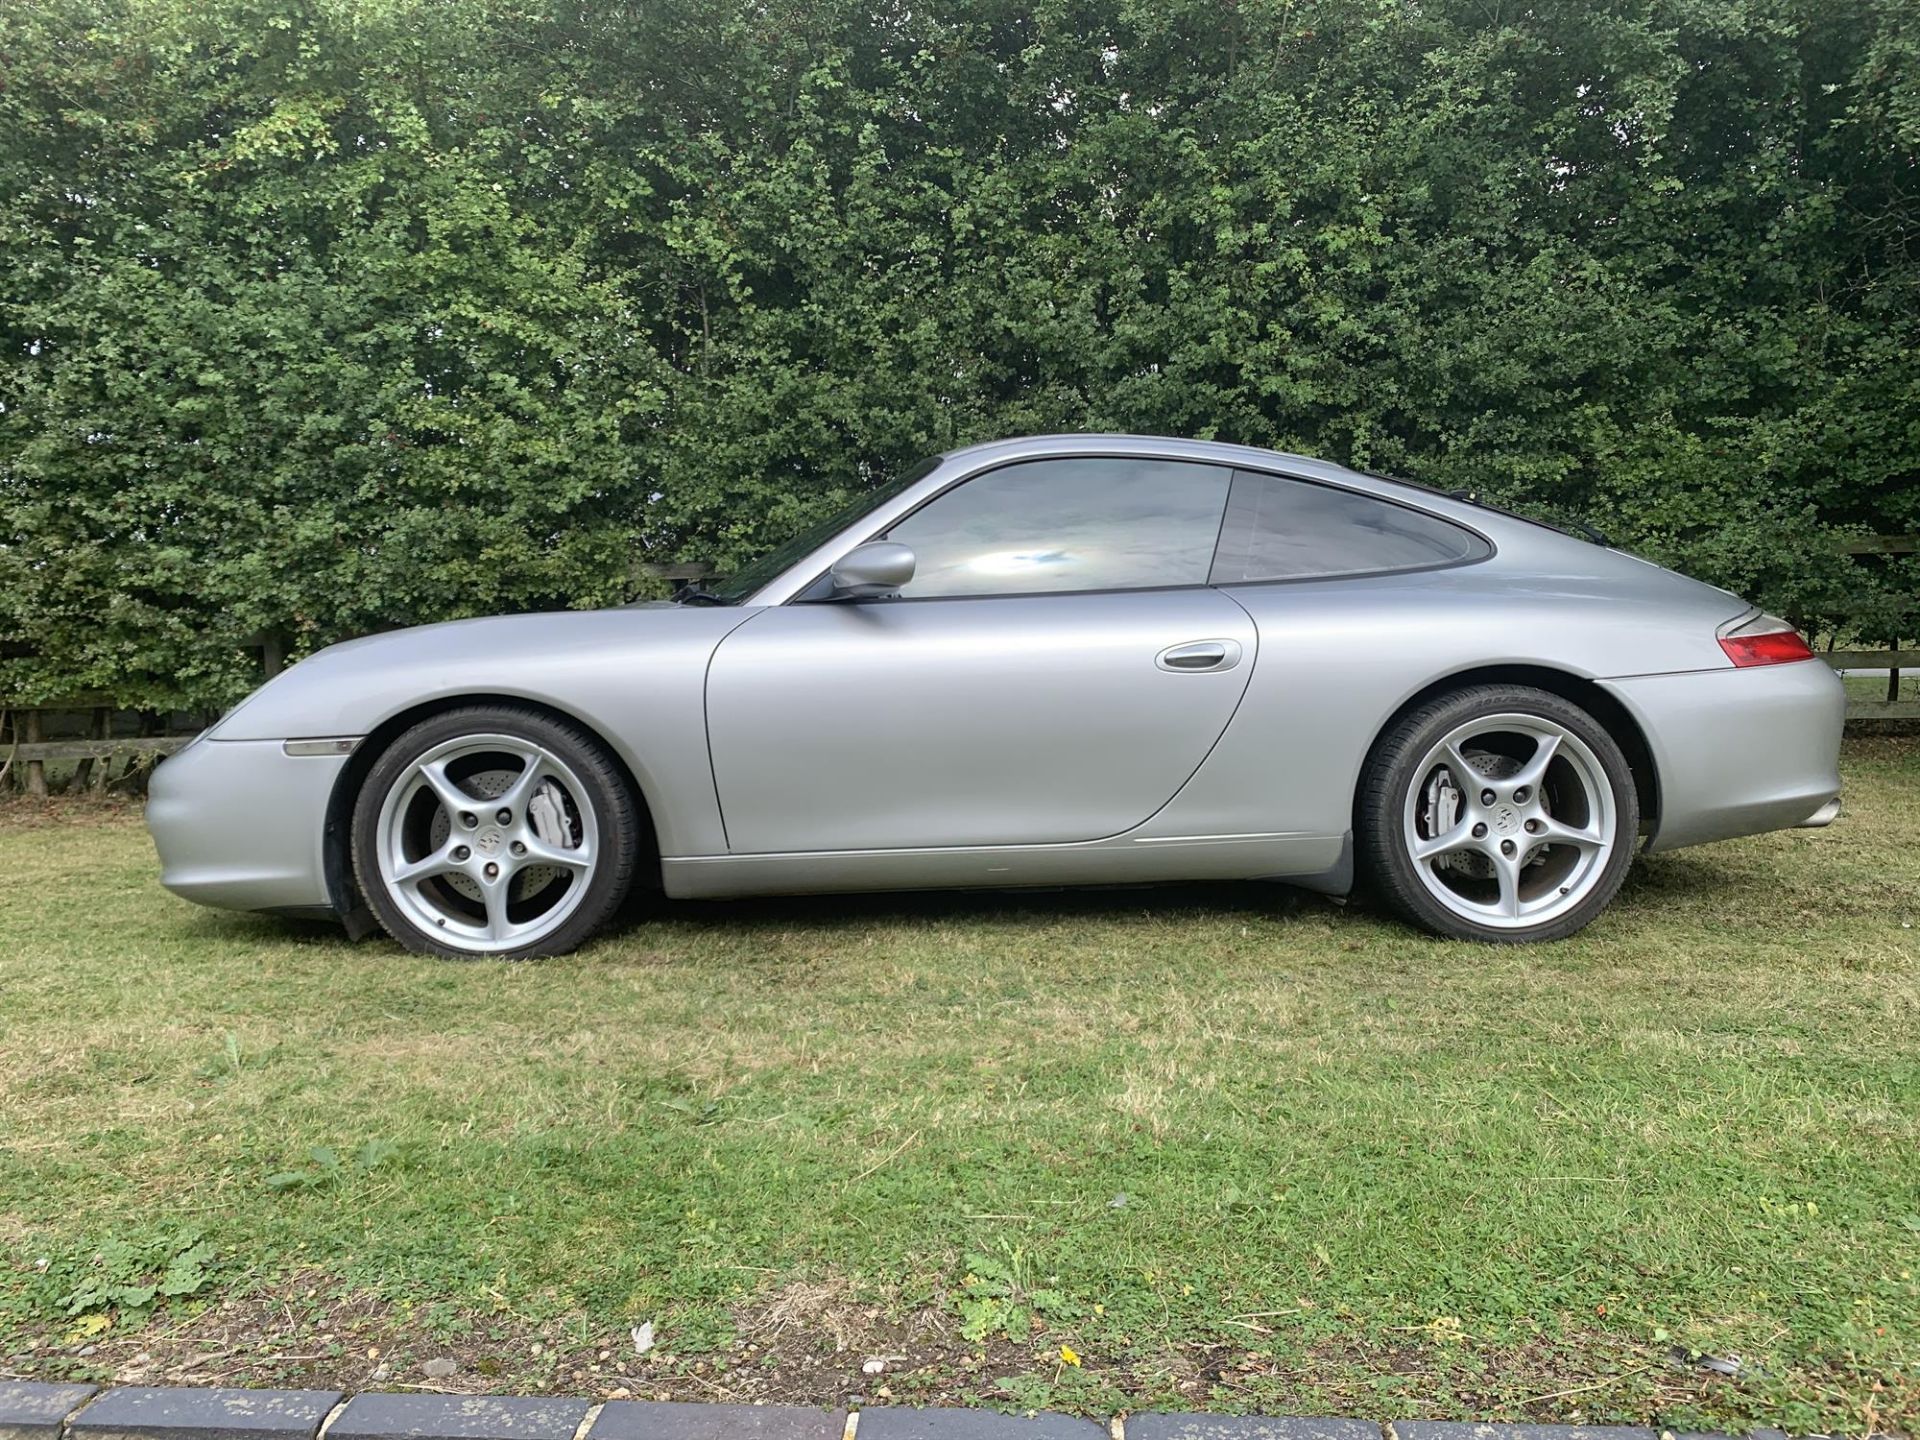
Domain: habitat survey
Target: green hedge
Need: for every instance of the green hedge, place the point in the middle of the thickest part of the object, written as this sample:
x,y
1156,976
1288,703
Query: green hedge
x,y
323,316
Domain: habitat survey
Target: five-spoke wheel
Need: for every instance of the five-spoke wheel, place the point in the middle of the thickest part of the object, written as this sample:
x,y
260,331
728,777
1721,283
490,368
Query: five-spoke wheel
x,y
493,831
1499,813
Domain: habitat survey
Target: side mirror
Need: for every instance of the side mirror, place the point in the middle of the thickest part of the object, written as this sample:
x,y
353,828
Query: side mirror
x,y
879,567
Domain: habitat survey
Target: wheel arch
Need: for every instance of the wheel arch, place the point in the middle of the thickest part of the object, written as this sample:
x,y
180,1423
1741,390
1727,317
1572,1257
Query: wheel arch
x,y
343,893
1576,689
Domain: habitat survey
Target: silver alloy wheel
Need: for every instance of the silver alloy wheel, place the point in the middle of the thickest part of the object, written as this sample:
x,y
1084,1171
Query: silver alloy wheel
x,y
1510,820
487,842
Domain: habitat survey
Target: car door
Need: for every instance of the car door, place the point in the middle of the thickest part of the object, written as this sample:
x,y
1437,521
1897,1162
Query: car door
x,y
1054,672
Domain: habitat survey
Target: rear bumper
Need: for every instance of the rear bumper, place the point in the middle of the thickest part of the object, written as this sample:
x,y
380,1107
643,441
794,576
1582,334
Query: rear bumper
x,y
240,824
1739,751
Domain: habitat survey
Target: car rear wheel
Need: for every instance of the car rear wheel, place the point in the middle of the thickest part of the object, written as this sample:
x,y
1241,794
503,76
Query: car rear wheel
x,y
494,830
1498,813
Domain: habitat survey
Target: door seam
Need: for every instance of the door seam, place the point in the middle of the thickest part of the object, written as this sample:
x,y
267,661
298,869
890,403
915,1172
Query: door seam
x,y
706,720
1246,690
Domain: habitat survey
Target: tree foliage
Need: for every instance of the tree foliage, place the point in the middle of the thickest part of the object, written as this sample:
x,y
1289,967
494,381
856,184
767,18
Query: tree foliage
x,y
323,316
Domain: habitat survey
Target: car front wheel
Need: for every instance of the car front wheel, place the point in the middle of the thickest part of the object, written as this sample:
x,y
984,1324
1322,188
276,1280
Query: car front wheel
x,y
1498,813
494,830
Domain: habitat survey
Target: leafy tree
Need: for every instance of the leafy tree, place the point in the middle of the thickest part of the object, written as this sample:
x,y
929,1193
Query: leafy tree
x,y
330,315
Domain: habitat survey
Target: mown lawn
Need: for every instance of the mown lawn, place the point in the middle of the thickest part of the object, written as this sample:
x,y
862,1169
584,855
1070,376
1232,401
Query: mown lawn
x,y
1232,1149
1875,687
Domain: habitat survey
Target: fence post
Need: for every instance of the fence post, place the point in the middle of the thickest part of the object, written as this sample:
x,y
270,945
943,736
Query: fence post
x,y
36,769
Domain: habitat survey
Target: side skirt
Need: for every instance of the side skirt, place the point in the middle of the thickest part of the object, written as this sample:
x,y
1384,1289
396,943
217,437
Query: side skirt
x,y
1301,859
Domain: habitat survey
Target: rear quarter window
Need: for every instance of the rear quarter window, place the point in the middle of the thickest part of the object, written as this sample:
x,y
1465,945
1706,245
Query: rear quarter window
x,y
1281,529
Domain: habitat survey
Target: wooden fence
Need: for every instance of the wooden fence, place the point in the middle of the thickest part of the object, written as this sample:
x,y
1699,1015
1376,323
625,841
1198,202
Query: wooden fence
x,y
30,745
1892,660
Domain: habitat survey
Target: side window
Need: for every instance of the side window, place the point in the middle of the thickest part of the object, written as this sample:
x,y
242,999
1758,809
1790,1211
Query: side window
x,y
1092,524
1278,529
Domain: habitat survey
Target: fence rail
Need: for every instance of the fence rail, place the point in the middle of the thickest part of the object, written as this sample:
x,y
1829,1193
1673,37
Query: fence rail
x,y
1873,659
97,749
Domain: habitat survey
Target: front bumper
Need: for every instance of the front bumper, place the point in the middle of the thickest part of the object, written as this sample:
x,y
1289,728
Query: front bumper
x,y
1739,751
241,824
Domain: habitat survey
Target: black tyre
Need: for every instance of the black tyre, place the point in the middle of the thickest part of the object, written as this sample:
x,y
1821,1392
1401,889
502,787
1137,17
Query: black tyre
x,y
494,830
1498,813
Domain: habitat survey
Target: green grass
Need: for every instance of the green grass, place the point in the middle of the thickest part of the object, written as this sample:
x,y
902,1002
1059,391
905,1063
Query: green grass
x,y
1361,1170
1874,687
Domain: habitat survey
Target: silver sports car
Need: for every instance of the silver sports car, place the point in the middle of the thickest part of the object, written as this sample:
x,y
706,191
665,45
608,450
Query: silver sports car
x,y
1086,659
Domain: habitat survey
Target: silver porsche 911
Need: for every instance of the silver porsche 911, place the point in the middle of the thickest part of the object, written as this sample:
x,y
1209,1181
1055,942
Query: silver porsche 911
x,y
1087,659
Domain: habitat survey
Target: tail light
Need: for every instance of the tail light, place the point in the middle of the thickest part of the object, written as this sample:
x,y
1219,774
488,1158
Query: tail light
x,y
1763,640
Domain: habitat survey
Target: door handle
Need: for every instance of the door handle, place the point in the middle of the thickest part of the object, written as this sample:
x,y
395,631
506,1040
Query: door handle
x,y
1200,655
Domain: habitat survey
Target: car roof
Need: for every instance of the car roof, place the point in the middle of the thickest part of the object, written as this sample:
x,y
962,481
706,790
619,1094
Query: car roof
x,y
1101,442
